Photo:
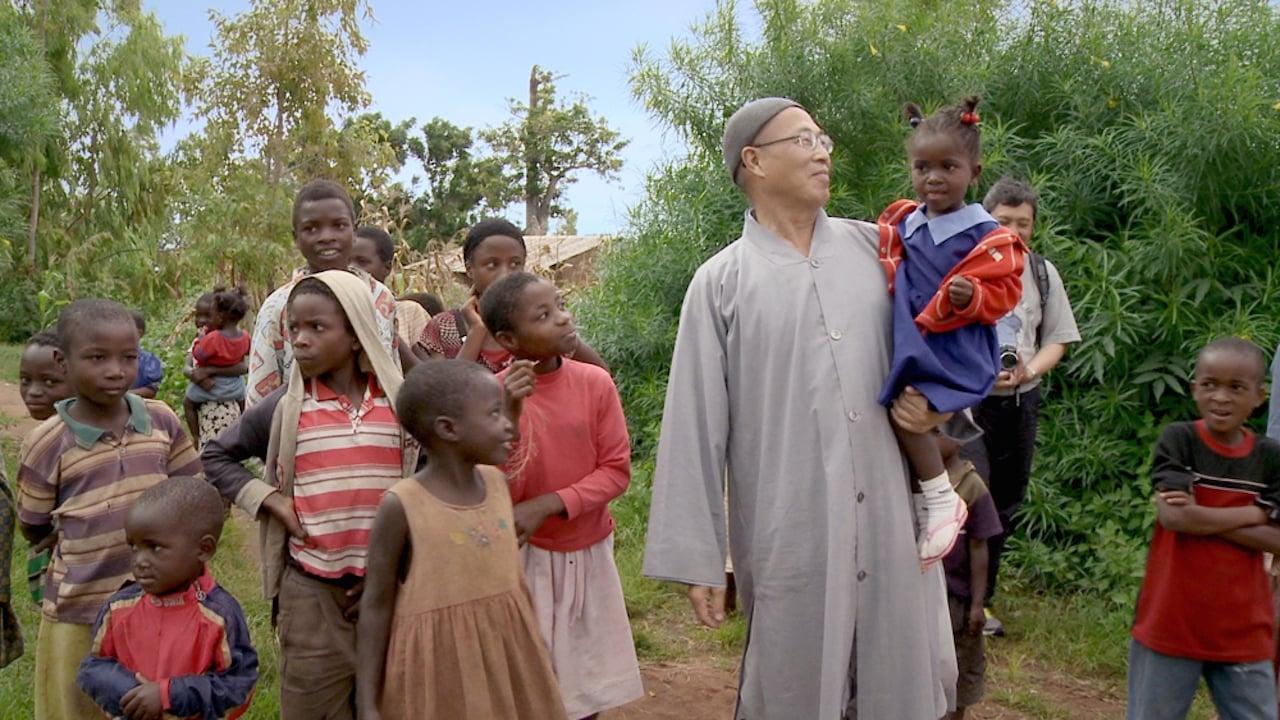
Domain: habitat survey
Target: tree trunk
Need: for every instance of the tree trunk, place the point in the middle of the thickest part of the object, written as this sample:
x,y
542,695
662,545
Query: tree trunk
x,y
534,222
33,221
275,144
543,210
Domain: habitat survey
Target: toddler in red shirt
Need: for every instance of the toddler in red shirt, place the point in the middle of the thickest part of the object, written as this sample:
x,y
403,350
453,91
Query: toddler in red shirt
x,y
173,642
218,361
572,458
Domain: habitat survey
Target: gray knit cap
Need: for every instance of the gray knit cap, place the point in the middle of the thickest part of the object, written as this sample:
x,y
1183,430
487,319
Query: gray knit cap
x,y
743,126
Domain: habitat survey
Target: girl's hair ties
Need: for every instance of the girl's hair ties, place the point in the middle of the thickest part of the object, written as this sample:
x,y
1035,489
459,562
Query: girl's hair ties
x,y
969,118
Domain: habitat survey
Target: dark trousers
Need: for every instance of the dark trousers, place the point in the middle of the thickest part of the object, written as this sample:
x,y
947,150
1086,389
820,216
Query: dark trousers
x,y
1002,456
317,649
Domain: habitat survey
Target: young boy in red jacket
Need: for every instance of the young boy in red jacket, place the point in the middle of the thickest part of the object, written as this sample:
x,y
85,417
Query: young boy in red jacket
x,y
173,643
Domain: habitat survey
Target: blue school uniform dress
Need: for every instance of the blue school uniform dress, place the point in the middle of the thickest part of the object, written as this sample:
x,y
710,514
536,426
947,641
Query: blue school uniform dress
x,y
954,369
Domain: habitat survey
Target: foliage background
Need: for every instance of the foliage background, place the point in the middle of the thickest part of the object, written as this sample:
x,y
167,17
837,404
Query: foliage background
x,y
1151,130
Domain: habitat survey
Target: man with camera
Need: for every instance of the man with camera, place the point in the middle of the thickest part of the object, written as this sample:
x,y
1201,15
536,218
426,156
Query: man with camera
x,y
1033,338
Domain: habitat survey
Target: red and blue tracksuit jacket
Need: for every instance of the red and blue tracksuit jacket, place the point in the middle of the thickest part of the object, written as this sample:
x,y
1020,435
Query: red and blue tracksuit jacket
x,y
194,643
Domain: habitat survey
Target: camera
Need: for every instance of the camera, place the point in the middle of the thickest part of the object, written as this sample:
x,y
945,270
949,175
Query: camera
x,y
1008,357
1007,336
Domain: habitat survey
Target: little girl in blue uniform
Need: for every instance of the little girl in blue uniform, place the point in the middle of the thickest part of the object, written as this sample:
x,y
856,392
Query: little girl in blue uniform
x,y
954,272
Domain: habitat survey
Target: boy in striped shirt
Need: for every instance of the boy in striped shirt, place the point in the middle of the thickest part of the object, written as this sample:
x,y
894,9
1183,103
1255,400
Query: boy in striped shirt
x,y
332,446
83,468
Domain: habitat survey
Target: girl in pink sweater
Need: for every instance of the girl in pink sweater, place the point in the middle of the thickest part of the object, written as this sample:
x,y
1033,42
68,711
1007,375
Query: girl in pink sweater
x,y
572,458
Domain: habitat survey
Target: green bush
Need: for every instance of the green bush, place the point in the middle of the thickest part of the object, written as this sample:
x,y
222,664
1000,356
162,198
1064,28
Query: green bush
x,y
1149,129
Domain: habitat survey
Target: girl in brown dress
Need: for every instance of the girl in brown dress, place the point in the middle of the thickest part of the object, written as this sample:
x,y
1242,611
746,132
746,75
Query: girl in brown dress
x,y
446,627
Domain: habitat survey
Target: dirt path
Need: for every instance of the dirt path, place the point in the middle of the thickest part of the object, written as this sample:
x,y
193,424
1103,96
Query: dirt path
x,y
694,688
14,421
698,687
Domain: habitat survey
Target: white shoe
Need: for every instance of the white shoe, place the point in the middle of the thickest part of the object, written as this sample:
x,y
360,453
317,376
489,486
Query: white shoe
x,y
944,517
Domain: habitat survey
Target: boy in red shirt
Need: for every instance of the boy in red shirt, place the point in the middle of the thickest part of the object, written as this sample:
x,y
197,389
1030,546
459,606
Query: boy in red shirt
x,y
1205,605
173,643
573,457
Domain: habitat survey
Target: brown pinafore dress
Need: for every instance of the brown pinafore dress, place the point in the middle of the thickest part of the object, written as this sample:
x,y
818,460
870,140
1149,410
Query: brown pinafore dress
x,y
464,640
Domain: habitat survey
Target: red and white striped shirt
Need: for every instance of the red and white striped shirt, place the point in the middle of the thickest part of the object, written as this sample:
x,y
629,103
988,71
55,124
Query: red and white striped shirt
x,y
347,458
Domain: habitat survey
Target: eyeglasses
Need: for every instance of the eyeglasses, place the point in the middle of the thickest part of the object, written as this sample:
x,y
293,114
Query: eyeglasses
x,y
807,139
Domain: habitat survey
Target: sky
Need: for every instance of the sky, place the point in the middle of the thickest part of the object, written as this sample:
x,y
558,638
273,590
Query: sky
x,y
462,60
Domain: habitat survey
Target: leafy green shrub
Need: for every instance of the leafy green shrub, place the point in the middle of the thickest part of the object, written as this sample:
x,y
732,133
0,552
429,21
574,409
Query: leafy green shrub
x,y
1149,129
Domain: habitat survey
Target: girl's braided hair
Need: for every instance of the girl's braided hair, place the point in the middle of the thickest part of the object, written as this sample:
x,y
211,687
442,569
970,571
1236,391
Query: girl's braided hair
x,y
961,121
231,304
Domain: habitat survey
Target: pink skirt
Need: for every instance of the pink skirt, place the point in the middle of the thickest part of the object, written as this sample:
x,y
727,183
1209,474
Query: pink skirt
x,y
577,598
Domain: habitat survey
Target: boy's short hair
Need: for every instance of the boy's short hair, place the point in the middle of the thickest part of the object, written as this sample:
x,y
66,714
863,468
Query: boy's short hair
x,y
487,229
140,321
435,389
322,190
44,338
501,301
1012,192
189,501
1236,346
382,242
80,314
429,302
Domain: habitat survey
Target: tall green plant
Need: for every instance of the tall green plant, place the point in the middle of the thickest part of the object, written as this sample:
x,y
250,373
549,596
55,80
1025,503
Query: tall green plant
x,y
95,84
1149,129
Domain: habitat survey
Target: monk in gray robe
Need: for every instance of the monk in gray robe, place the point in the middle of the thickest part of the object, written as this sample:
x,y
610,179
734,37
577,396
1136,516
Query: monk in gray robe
x,y
784,344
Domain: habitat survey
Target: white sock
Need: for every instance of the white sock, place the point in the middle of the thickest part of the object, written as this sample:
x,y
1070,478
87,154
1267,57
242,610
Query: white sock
x,y
944,516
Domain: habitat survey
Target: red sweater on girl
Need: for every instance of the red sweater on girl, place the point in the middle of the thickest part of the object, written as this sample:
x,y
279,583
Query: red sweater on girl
x,y
573,442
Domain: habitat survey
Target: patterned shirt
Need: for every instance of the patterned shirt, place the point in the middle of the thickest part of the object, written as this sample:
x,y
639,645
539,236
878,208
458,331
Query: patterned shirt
x,y
83,480
271,356
347,457
444,338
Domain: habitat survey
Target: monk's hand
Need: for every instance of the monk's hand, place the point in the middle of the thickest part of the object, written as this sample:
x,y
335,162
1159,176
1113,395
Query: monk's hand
x,y
708,604
960,292
912,413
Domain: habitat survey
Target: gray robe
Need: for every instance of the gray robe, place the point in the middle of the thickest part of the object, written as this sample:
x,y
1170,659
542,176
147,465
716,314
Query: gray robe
x,y
778,363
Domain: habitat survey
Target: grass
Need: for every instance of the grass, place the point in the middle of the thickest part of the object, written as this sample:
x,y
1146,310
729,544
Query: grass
x,y
10,355
1074,640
